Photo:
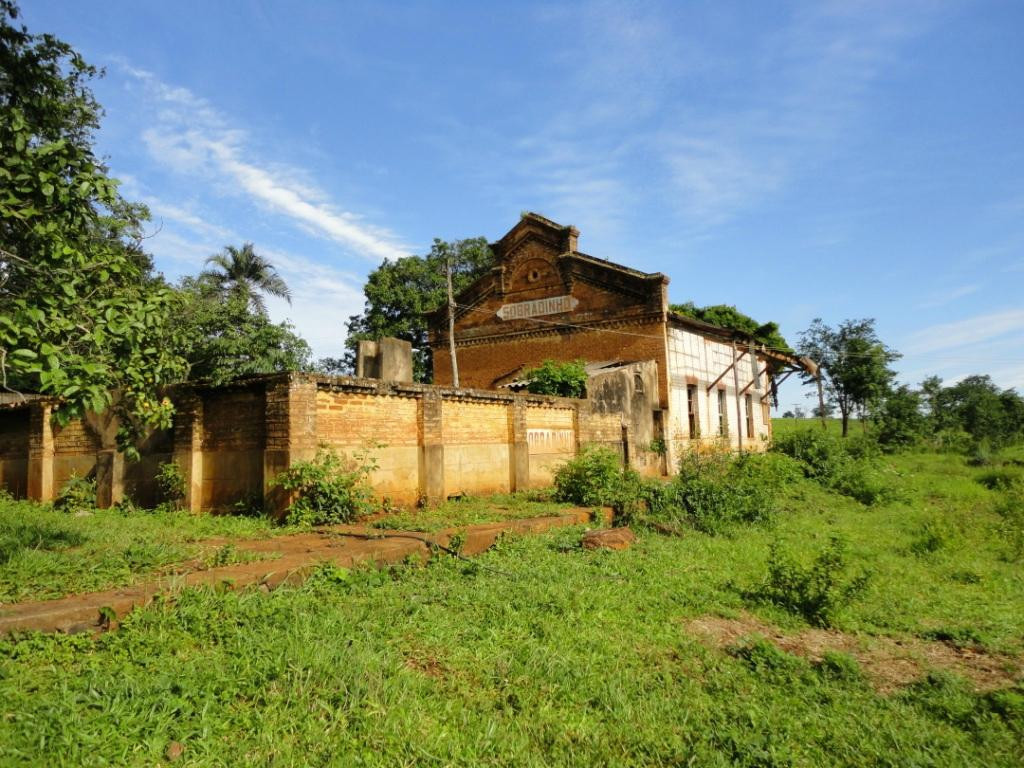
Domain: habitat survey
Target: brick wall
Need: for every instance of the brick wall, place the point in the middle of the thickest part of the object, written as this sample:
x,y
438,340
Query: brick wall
x,y
230,443
14,431
480,365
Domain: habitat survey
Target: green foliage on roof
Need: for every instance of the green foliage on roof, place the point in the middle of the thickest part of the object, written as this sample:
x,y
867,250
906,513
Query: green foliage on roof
x,y
727,316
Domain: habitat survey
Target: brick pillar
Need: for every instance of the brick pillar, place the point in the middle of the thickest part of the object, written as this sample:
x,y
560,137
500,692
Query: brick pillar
x,y
519,450
431,448
188,447
40,453
290,434
581,425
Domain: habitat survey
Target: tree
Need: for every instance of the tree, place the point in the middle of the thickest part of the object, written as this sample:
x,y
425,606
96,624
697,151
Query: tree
x,y
853,361
727,316
243,273
399,294
898,417
977,406
80,314
226,337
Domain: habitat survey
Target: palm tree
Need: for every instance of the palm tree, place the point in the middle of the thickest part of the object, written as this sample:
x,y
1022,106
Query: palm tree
x,y
243,272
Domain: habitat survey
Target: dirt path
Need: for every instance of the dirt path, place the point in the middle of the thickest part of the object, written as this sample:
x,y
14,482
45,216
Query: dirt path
x,y
889,663
295,557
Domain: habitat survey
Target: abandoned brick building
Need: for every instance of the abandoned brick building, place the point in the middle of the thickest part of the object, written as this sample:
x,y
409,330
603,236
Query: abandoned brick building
x,y
659,383
544,299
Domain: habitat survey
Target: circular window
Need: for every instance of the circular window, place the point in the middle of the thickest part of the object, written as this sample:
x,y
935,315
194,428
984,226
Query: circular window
x,y
533,276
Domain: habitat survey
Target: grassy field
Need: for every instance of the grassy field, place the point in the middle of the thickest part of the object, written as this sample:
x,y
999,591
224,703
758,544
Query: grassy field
x,y
46,554
540,653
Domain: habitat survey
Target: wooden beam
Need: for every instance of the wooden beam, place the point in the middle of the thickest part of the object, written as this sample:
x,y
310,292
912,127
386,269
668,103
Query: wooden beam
x,y
721,376
768,394
739,409
754,380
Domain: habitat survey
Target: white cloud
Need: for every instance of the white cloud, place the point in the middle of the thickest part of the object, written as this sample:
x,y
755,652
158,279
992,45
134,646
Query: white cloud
x,y
192,137
949,296
970,331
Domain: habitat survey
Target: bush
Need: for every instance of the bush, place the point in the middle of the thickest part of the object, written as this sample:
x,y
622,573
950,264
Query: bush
x,y
715,491
77,495
593,478
847,466
817,592
568,379
170,484
328,489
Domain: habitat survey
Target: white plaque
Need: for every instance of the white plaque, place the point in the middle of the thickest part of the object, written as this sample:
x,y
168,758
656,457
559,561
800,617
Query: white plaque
x,y
550,306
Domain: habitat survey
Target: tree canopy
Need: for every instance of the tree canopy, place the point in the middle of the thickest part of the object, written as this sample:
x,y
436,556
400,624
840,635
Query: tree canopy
x,y
727,316
400,293
242,273
80,313
225,336
853,361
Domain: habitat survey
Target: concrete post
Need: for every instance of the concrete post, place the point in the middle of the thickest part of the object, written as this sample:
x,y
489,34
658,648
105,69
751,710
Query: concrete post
x,y
40,453
431,470
519,450
188,448
109,478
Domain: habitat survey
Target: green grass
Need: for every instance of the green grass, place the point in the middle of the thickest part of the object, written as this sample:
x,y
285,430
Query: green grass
x,y
46,554
472,510
540,653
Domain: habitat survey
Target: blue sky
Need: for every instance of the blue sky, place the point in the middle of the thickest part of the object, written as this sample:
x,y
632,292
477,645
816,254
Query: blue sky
x,y
847,159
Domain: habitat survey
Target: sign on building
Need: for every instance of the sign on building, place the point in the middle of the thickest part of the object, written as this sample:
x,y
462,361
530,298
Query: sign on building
x,y
550,306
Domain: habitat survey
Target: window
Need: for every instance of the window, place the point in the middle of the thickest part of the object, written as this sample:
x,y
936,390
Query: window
x,y
691,410
748,401
723,415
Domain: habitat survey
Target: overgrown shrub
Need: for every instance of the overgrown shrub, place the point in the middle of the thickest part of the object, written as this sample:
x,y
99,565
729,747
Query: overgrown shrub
x,y
77,495
565,379
328,489
712,492
593,478
817,592
848,466
170,484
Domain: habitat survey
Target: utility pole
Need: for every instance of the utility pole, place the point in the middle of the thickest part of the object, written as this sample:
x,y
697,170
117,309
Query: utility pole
x,y
451,322
736,389
821,402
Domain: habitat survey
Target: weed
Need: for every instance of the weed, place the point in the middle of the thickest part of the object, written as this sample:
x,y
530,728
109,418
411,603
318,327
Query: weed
x,y
1002,478
713,492
1010,509
170,484
841,667
846,466
958,637
591,479
931,537
77,495
328,489
817,592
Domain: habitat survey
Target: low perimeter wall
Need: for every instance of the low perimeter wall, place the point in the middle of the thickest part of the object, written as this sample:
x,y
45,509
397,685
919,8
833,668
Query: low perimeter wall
x,y
231,442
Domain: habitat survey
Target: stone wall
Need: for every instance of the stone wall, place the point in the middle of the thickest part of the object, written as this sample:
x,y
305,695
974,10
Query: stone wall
x,y
425,442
